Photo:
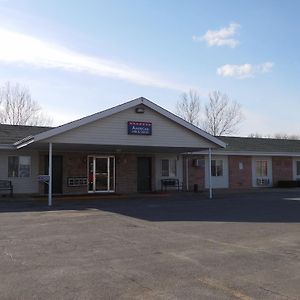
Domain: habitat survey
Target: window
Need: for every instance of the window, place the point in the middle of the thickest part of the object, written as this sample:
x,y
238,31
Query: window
x,y
261,168
216,167
19,166
168,168
298,168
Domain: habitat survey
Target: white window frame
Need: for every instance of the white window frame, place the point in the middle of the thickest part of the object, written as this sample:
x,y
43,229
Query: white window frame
x,y
295,175
296,167
261,169
171,173
19,156
214,172
269,178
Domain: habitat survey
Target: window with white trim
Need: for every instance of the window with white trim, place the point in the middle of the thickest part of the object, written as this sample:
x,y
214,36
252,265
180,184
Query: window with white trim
x,y
261,168
19,166
168,168
216,167
298,168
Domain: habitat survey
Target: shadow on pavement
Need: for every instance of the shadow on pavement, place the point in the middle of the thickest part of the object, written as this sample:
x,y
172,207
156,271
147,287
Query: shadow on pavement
x,y
262,207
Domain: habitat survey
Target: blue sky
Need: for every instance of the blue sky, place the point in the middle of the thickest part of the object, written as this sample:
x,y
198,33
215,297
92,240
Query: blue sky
x,y
79,57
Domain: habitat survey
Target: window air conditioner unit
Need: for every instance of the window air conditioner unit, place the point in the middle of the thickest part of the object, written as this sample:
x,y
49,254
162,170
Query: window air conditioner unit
x,y
262,181
198,162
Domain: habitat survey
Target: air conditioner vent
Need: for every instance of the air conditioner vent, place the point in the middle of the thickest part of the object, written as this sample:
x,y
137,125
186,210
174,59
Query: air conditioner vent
x,y
262,181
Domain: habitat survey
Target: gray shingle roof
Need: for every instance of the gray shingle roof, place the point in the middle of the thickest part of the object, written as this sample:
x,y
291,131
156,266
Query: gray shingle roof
x,y
238,144
10,134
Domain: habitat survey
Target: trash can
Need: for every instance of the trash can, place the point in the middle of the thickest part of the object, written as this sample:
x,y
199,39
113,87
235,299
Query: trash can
x,y
196,188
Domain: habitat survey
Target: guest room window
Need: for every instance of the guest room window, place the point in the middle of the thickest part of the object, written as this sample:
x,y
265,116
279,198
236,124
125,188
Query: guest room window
x,y
19,166
298,167
168,168
261,168
216,167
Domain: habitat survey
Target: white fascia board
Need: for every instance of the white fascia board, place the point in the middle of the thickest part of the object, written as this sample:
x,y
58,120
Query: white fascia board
x,y
106,113
249,153
24,144
86,120
7,147
24,140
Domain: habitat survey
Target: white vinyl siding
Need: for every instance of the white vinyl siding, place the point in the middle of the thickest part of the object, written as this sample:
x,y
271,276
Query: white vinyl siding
x,y
21,184
175,168
219,166
112,130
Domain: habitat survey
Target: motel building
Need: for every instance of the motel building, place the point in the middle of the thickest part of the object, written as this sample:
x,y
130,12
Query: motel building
x,y
139,147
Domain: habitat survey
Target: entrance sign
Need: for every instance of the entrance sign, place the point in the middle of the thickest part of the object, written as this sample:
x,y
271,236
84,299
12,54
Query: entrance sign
x,y
139,128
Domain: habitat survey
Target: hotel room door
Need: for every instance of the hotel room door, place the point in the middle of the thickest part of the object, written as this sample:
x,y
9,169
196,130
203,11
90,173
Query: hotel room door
x,y
144,174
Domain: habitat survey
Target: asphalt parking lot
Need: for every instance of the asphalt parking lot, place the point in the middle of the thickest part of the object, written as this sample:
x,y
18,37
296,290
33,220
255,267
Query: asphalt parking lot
x,y
173,247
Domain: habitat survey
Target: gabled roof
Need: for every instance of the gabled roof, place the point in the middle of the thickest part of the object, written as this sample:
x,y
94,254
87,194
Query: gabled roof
x,y
106,113
10,134
266,145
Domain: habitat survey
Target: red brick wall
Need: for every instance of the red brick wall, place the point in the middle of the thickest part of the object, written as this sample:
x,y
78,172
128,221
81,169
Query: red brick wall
x,y
282,168
240,178
75,164
196,175
126,173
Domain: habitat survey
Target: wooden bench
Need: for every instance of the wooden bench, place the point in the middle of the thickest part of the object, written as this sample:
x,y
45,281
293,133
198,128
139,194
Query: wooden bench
x,y
6,185
170,182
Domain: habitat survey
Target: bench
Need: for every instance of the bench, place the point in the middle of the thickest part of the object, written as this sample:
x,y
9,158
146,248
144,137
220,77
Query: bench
x,y
6,185
170,182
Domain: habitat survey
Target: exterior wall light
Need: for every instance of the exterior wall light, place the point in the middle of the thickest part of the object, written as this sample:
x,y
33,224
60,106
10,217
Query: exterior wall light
x,y
139,110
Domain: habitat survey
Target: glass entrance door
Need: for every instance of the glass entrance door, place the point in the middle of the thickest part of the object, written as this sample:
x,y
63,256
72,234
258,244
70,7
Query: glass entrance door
x,y
101,174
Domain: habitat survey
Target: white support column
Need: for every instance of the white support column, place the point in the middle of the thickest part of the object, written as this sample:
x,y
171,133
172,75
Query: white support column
x,y
209,173
50,176
187,173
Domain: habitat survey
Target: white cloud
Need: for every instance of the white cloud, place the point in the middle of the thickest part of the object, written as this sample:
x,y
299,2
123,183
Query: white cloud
x,y
221,37
244,71
17,48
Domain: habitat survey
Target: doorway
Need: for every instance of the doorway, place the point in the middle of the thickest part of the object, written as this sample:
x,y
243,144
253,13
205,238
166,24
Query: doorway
x,y
144,174
101,174
57,173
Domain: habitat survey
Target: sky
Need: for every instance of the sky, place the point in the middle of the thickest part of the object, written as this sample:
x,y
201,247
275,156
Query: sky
x,y
80,57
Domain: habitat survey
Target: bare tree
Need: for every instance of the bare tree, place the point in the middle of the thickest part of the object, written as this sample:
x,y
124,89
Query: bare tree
x,y
222,116
18,108
255,135
189,107
281,136
285,136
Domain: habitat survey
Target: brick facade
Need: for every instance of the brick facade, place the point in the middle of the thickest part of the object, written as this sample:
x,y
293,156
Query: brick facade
x,y
196,174
240,171
282,168
75,165
126,173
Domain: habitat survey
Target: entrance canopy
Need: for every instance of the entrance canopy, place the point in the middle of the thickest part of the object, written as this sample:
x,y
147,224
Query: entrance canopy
x,y
137,126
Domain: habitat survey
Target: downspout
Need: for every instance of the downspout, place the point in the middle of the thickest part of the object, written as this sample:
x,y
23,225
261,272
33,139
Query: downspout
x,y
187,173
50,176
209,173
